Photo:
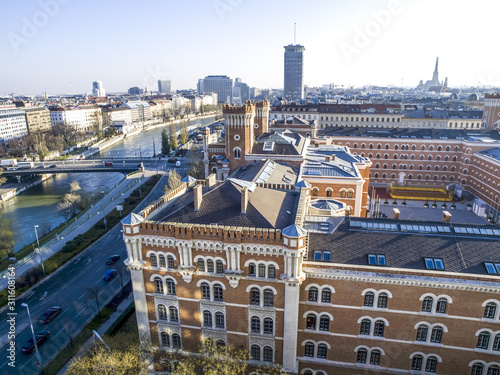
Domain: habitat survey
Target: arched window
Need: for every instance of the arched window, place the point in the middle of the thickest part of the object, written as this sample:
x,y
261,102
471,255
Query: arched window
x,y
174,314
165,340
153,260
493,370
436,334
441,305
490,310
431,364
268,298
322,348
349,194
483,340
219,266
158,285
416,362
361,356
427,304
210,266
251,269
220,344
422,332
324,323
162,312
255,352
271,272
382,300
217,292
365,327
262,270
369,296
254,296
375,357
162,261
311,321
308,373
314,192
170,261
309,349
268,326
268,354
313,294
255,324
237,153
219,320
326,295
201,265
205,291
379,328
477,369
342,194
176,341
170,287
328,193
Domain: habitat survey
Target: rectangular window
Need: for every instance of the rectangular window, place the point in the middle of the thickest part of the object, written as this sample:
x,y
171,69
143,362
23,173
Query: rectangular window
x,y
376,259
317,255
434,263
492,268
326,255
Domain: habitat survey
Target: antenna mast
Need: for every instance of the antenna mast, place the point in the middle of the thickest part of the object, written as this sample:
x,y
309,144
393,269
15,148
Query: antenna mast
x,y
294,32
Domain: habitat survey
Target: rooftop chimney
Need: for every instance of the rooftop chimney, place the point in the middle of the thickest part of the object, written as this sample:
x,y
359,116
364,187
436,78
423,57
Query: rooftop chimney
x,y
446,217
333,157
327,158
244,200
210,180
198,195
395,214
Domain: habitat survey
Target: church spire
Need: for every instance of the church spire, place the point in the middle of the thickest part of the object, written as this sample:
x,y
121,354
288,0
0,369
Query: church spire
x,y
435,79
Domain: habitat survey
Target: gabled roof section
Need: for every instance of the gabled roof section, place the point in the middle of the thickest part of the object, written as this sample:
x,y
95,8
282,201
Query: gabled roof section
x,y
132,219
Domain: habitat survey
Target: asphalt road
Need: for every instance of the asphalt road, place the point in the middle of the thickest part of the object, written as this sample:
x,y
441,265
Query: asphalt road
x,y
68,288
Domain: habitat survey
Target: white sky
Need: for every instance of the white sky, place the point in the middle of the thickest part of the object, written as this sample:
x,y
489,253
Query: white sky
x,y
129,43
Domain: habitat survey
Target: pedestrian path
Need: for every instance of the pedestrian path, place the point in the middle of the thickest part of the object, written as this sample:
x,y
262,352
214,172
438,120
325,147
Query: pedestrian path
x,y
83,223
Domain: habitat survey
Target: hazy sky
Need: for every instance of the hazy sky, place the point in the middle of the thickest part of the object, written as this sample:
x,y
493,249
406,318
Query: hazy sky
x,y
61,46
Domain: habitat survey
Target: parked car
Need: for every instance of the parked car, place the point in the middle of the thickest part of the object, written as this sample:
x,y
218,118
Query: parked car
x,y
49,314
53,166
41,167
41,337
172,160
108,164
113,259
109,275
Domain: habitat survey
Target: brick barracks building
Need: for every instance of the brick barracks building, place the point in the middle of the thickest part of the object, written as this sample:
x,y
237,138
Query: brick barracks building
x,y
470,158
243,263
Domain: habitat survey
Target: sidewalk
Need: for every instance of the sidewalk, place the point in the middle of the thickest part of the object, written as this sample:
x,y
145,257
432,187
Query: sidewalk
x,y
101,330
84,223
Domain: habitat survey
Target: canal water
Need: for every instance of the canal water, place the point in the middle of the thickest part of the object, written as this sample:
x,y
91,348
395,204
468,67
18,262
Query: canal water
x,y
39,204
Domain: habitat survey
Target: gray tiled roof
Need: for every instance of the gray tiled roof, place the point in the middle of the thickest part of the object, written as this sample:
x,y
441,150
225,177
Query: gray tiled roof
x,y
267,208
403,250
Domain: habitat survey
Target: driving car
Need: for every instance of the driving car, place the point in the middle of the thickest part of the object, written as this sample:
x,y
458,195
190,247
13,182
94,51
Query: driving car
x,y
49,314
41,337
41,167
109,275
53,166
113,259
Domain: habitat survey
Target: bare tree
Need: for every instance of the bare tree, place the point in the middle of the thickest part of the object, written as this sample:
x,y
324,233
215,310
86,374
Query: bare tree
x,y
174,180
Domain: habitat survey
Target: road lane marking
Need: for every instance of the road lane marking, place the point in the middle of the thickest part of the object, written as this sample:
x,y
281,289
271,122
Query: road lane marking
x,y
80,312
28,361
62,329
98,268
83,295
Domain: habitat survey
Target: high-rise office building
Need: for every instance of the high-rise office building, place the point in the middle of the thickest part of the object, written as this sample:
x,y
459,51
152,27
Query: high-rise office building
x,y
221,85
97,89
164,86
294,72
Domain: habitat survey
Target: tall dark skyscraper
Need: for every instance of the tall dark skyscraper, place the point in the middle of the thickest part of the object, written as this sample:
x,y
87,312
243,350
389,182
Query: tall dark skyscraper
x,y
164,86
294,72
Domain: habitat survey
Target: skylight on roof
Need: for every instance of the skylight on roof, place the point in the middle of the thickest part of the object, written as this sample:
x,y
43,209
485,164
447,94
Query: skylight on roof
x,y
492,268
434,263
376,259
268,146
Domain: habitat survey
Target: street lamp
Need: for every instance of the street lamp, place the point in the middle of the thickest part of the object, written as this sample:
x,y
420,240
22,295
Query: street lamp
x,y
39,360
38,250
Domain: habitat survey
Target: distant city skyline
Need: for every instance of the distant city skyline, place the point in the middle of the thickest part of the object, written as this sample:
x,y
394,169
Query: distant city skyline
x,y
51,45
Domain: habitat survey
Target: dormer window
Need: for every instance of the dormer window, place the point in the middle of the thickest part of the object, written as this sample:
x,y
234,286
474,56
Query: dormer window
x,y
434,263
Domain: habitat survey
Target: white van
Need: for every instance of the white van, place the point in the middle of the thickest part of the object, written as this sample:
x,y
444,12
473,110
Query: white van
x,y
177,163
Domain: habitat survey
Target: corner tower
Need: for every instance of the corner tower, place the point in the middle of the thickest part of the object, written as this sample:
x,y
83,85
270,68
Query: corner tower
x,y
239,124
261,117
